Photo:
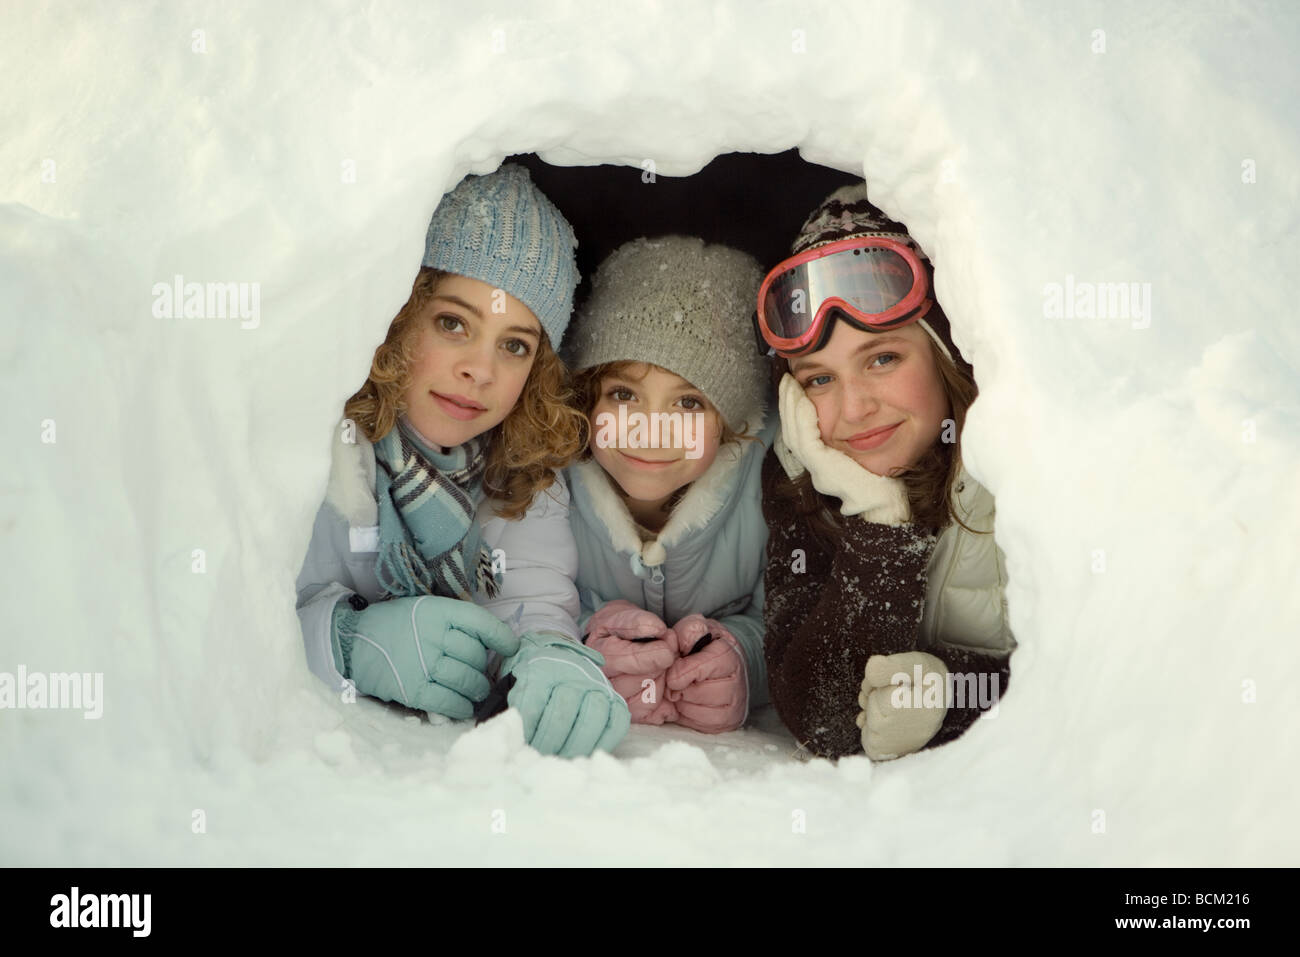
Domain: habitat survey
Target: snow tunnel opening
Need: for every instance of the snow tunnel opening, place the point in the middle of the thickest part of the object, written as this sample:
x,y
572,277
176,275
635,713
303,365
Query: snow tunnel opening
x,y
750,202
754,202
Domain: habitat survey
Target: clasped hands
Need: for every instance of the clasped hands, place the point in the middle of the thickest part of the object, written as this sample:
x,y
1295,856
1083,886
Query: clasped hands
x,y
692,673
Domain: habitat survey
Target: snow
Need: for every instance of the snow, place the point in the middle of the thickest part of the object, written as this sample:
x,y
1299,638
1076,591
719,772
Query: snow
x,y
1147,477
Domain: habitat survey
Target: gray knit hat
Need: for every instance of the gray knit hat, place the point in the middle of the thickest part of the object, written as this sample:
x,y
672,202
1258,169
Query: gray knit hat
x,y
847,213
501,230
685,306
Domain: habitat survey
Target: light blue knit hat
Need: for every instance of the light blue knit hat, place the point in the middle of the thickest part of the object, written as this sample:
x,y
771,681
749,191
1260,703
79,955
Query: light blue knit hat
x,y
501,230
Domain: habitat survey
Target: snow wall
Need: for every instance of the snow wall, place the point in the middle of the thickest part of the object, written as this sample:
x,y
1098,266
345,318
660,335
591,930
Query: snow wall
x,y
161,474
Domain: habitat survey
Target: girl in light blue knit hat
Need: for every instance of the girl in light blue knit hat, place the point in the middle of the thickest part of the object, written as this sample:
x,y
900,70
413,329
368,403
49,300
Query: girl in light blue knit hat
x,y
441,559
667,501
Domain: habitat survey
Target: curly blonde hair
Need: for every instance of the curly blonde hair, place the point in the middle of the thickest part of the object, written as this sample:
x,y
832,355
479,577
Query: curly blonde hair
x,y
542,433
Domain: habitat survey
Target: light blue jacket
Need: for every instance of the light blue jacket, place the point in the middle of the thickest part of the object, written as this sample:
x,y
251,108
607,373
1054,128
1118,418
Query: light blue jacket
x,y
709,557
535,552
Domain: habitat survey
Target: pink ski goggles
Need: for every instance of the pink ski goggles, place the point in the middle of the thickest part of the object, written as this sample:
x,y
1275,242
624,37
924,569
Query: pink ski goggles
x,y
875,282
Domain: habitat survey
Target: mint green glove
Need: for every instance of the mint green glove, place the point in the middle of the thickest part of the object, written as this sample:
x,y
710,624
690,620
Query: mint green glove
x,y
426,652
568,705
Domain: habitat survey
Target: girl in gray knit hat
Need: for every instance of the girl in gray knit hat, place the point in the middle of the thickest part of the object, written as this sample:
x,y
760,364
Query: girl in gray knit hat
x,y
444,479
666,507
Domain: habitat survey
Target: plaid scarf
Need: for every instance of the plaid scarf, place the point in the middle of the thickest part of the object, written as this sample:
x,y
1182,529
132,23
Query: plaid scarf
x,y
429,543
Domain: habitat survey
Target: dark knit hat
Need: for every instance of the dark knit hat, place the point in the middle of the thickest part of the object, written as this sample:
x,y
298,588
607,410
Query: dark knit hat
x,y
847,213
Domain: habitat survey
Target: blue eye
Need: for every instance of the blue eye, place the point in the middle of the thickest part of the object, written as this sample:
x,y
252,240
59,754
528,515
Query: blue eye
x,y
813,381
885,355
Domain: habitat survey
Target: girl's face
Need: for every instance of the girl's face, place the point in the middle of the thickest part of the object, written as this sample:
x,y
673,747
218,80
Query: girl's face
x,y
688,439
879,396
470,360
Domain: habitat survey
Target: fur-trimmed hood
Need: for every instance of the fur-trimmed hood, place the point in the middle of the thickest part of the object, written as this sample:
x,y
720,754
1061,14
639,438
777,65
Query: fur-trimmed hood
x,y
351,488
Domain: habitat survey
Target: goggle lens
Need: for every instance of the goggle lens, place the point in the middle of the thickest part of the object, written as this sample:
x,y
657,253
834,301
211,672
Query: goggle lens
x,y
873,280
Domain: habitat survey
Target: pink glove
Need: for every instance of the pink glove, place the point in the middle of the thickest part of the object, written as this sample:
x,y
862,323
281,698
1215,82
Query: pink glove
x,y
635,669
709,689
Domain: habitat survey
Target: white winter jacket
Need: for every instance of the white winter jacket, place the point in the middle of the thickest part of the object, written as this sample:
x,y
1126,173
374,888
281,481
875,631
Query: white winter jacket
x,y
965,593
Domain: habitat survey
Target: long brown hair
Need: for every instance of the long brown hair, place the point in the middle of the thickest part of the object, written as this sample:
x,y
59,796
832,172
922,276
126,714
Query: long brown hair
x,y
543,432
929,481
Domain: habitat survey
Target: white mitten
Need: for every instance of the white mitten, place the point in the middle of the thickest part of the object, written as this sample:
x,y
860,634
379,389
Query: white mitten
x,y
889,729
874,497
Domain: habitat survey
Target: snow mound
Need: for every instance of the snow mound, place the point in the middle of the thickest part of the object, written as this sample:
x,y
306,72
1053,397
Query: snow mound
x,y
163,471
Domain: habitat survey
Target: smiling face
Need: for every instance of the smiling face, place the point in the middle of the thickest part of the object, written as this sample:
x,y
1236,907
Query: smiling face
x,y
649,476
879,396
470,362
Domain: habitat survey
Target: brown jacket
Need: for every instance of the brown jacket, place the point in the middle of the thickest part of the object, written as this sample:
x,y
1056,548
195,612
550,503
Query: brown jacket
x,y
831,608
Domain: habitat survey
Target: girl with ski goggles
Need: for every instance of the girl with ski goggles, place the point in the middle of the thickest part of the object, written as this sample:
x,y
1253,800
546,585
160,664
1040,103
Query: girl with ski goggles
x,y
875,283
